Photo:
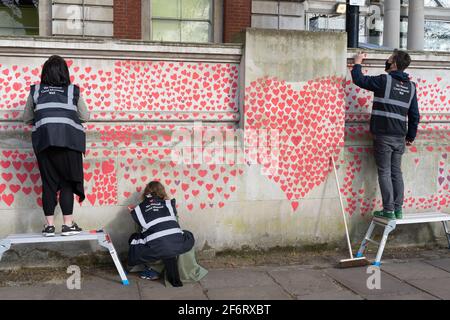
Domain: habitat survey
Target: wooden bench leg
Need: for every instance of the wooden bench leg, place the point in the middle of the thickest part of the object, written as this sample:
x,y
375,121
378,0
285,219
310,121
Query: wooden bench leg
x,y
363,246
447,232
5,245
389,227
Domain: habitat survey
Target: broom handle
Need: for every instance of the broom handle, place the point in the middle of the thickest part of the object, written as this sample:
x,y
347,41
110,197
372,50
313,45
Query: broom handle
x,y
342,208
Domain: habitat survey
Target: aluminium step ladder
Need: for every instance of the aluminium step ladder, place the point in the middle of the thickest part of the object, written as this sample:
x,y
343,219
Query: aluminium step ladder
x,y
389,225
100,236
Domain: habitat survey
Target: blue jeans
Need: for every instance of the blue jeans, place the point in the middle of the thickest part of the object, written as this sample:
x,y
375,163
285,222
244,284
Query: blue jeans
x,y
388,152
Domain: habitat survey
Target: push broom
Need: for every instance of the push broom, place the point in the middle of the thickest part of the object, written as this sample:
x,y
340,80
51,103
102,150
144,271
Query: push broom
x,y
352,262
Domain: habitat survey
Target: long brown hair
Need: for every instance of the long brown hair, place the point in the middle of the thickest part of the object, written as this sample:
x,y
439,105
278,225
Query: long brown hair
x,y
155,189
55,72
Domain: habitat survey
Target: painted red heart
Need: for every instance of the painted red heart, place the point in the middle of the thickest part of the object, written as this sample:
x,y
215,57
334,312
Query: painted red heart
x,y
314,126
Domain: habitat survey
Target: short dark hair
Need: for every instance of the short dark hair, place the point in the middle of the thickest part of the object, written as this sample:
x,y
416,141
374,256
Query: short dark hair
x,y
402,59
55,72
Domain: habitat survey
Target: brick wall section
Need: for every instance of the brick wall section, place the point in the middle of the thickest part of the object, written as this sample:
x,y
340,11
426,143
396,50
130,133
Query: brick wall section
x,y
237,17
127,19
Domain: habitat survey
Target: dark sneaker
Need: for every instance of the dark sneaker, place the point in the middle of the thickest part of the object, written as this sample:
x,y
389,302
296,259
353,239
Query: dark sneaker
x,y
149,274
384,214
49,231
398,214
70,230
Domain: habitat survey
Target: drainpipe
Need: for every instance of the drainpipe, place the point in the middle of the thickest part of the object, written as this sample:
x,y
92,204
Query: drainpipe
x,y
352,25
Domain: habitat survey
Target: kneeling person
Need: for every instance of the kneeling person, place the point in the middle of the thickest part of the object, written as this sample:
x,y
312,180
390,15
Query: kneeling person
x,y
161,237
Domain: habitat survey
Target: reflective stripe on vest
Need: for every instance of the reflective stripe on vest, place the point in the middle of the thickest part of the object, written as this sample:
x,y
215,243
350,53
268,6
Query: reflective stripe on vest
x,y
59,120
70,95
389,115
146,226
56,105
393,102
156,235
68,106
56,120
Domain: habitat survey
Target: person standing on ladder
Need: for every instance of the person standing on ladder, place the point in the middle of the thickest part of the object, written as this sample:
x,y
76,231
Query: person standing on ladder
x,y
393,124
56,111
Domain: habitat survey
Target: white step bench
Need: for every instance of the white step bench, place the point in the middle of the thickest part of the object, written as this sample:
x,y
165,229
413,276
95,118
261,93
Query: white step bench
x,y
100,236
390,224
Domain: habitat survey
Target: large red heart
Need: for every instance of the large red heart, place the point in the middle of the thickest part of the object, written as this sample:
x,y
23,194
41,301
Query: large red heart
x,y
311,129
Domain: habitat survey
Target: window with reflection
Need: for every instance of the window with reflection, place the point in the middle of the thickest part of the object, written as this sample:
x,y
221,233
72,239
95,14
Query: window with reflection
x,y
181,20
19,17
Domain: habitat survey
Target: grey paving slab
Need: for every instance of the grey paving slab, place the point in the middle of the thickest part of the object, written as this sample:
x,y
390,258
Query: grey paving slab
x,y
232,278
331,295
272,292
412,280
441,263
418,296
437,287
415,270
25,293
310,284
157,291
356,280
97,287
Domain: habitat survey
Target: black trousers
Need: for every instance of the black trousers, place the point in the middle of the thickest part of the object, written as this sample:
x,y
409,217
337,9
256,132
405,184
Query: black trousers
x,y
171,269
388,152
61,170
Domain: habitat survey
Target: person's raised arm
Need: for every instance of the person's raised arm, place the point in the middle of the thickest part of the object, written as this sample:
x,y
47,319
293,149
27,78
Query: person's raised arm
x,y
83,112
131,209
371,83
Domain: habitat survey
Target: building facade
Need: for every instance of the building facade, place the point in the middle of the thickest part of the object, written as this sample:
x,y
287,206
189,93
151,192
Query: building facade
x,y
143,95
216,21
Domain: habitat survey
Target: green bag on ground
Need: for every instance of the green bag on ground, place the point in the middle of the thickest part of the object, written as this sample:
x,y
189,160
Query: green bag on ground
x,y
190,271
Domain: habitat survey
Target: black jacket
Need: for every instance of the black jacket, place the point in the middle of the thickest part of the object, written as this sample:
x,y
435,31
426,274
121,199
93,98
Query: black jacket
x,y
161,236
56,122
377,84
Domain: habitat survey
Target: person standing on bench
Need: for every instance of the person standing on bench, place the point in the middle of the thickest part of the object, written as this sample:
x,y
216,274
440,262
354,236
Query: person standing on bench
x,y
393,124
56,111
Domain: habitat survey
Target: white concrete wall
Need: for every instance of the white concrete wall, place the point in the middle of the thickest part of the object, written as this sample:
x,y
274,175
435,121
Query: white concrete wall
x,y
139,94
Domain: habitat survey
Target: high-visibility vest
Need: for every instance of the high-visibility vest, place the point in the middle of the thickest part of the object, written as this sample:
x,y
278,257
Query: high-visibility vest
x,y
161,236
56,121
391,106
158,219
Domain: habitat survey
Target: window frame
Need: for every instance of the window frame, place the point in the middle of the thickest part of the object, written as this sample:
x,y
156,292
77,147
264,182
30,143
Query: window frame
x,y
210,22
327,16
104,20
434,20
437,5
22,28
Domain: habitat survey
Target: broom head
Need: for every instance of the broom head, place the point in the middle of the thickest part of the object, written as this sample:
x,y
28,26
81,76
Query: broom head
x,y
355,262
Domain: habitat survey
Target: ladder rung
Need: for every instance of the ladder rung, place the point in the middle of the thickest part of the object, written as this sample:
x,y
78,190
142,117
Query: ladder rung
x,y
380,224
373,241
